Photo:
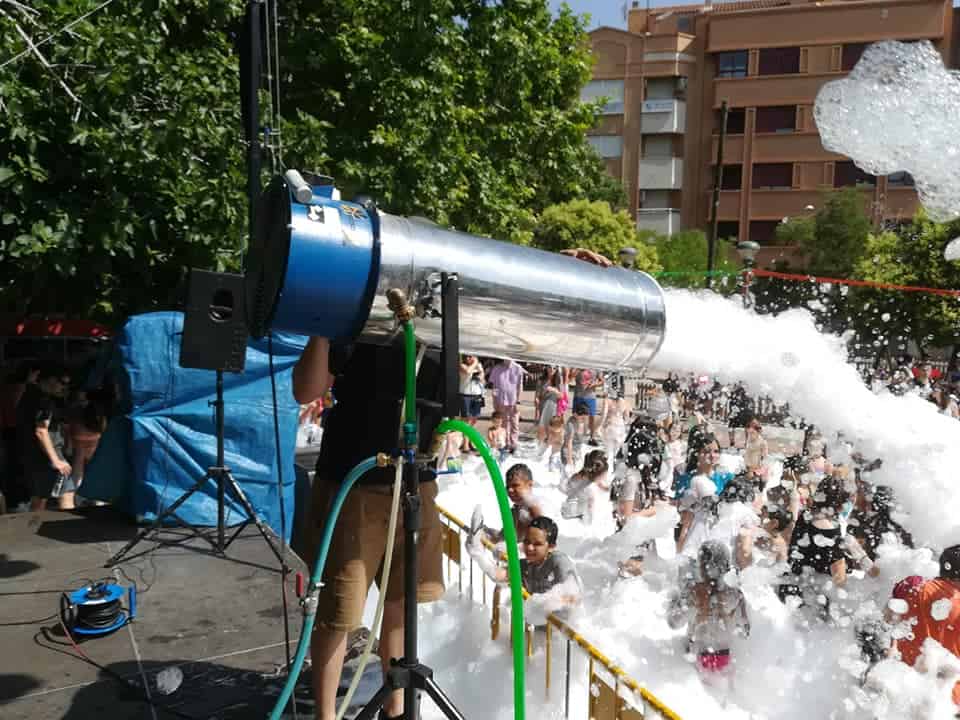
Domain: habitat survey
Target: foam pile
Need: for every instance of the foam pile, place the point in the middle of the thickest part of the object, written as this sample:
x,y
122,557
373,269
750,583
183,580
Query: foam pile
x,y
896,111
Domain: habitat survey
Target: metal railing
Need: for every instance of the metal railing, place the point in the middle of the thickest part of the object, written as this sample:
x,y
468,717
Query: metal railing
x,y
618,698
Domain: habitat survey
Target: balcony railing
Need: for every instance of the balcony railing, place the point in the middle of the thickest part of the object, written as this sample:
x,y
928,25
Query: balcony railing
x,y
660,172
664,221
663,116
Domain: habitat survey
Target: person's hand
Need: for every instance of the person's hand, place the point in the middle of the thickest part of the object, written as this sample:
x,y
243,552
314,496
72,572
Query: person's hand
x,y
587,256
61,466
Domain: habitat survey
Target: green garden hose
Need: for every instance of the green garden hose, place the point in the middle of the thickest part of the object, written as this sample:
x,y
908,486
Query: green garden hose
x,y
513,559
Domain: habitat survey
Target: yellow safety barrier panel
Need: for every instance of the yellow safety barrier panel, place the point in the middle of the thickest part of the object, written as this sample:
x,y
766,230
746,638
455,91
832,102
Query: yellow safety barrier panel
x,y
606,701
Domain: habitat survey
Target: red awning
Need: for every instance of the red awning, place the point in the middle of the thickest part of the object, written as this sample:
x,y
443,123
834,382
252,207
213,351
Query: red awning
x,y
66,328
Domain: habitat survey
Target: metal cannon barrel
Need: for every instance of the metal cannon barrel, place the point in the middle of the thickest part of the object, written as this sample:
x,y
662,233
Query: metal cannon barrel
x,y
323,268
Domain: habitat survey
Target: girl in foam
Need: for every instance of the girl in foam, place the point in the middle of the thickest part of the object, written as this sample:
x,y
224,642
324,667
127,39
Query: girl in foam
x,y
714,610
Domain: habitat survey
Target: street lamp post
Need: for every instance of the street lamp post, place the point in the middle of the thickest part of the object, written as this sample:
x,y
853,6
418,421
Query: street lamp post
x,y
747,250
628,256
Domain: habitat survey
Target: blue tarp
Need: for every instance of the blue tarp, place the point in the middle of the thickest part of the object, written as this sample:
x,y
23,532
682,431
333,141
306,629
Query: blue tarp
x,y
165,441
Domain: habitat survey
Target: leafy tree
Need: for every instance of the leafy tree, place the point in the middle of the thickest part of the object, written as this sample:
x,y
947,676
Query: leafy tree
x,y
797,231
592,225
463,111
912,255
686,252
841,227
121,161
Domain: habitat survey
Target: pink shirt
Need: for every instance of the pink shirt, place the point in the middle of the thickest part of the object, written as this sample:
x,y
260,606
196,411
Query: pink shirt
x,y
505,378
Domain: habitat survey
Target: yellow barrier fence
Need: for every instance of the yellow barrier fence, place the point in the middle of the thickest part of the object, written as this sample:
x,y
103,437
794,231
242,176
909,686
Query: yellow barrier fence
x,y
613,695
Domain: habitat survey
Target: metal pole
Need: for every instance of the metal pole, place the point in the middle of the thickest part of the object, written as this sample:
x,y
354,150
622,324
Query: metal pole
x,y
717,182
218,412
411,527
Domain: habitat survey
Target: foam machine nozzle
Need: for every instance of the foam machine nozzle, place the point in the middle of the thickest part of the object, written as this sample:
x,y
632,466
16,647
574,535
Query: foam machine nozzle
x,y
322,266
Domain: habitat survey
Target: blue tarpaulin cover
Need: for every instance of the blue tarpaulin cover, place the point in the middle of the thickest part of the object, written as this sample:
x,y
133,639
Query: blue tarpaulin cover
x,y
166,440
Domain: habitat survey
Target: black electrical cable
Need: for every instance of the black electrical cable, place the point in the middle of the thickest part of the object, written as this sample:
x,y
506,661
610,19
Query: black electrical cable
x,y
283,513
99,616
80,654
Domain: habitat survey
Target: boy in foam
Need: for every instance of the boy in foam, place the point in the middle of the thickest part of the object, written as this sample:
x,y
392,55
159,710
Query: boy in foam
x,y
526,506
548,575
497,435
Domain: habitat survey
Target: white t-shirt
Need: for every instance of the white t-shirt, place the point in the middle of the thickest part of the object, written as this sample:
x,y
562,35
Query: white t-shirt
x,y
725,527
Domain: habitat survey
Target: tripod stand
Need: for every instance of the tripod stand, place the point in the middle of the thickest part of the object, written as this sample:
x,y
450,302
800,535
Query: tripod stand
x,y
221,475
408,673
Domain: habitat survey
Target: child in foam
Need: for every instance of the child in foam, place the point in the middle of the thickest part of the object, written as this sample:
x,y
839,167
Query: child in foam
x,y
715,612
582,489
555,443
497,435
548,576
526,506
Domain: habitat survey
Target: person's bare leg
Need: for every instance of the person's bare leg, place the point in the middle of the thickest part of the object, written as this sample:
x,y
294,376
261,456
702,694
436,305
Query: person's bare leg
x,y
37,504
327,651
391,646
67,501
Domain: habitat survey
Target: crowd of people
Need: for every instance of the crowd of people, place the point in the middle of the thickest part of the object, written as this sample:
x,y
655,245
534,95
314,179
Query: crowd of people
x,y
52,423
813,517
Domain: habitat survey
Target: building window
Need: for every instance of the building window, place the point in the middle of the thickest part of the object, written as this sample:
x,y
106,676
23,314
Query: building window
x,y
900,179
607,146
728,229
685,24
732,64
772,176
732,177
779,61
850,55
610,91
736,120
846,174
764,231
777,119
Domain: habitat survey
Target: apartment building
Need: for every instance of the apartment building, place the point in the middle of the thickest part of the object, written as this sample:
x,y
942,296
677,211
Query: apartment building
x,y
666,76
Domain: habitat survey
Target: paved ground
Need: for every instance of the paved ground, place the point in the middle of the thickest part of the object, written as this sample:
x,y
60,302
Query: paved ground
x,y
216,619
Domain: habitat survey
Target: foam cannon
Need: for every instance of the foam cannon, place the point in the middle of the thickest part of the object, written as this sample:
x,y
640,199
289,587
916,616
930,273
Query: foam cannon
x,y
321,266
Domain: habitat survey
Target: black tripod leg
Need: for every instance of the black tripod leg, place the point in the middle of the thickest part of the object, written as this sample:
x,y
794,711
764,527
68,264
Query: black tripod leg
x,y
252,515
376,702
441,700
159,521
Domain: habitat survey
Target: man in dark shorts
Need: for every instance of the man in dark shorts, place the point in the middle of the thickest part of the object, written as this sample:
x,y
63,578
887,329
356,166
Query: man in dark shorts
x,y
40,429
365,421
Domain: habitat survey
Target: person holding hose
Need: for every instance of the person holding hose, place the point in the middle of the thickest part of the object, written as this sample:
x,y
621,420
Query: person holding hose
x,y
365,421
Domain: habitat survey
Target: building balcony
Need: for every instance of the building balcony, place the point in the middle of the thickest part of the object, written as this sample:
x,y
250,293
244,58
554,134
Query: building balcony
x,y
663,116
660,173
798,89
664,221
776,147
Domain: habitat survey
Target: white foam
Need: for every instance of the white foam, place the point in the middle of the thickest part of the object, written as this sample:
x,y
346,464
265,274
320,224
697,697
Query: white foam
x,y
897,110
920,448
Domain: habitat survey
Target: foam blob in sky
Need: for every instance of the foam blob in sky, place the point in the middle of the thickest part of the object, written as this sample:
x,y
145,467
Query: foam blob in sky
x,y
896,111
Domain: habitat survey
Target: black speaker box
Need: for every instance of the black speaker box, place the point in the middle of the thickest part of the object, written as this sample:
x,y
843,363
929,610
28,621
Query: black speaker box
x,y
214,322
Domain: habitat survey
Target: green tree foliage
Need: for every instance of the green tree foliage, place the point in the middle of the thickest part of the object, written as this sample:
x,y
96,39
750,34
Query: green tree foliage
x,y
463,111
121,161
798,231
594,226
841,227
686,252
913,255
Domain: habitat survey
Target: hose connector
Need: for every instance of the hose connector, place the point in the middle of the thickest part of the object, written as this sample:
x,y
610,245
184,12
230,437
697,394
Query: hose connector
x,y
385,460
397,302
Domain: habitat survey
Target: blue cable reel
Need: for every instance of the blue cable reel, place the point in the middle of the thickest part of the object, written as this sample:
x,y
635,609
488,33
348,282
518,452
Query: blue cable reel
x,y
97,609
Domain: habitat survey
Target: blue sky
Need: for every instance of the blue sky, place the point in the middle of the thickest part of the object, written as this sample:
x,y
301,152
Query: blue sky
x,y
606,12
610,12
